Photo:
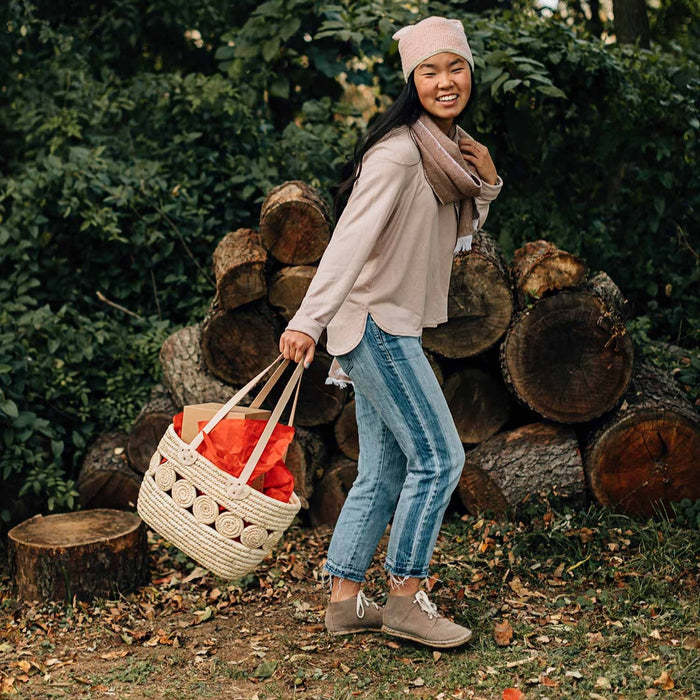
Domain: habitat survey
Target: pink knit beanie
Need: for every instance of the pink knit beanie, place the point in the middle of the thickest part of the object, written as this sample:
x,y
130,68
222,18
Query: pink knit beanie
x,y
429,37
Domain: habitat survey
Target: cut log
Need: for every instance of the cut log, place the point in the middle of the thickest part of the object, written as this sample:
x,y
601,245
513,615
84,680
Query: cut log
x,y
503,471
437,370
645,454
306,459
540,267
319,403
149,426
288,287
568,357
346,432
480,303
479,403
331,491
106,480
237,345
185,374
239,267
87,554
295,223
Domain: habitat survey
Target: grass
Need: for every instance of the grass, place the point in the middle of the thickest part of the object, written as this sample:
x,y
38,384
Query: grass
x,y
601,605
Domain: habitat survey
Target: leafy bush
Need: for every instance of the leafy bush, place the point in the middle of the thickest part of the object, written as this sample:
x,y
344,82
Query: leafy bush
x,y
134,138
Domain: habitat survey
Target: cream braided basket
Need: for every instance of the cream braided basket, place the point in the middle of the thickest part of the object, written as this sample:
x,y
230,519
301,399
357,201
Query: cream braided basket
x,y
215,518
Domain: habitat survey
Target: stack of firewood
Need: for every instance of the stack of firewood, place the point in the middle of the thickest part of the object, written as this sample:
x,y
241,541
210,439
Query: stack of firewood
x,y
535,363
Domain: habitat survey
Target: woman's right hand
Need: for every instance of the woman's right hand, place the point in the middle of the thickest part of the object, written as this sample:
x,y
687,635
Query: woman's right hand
x,y
297,346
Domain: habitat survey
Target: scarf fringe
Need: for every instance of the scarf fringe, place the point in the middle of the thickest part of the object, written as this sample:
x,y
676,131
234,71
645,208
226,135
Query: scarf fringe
x,y
331,381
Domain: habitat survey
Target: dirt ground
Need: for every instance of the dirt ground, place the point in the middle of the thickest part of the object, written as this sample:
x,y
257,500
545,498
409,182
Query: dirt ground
x,y
191,635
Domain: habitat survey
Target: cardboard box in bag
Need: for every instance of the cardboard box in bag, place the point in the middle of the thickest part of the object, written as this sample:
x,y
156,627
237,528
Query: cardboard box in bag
x,y
195,413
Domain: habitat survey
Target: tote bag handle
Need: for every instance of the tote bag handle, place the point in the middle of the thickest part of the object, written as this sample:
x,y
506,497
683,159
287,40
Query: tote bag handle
x,y
293,383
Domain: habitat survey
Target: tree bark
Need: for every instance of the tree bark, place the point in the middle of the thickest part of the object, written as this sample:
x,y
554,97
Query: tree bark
x,y
647,452
149,426
331,491
106,480
479,403
631,22
569,357
288,287
295,223
91,553
184,371
480,302
346,432
501,472
239,267
306,458
236,345
540,267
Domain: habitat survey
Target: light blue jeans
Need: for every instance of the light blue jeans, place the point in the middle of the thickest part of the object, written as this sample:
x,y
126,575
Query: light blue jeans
x,y
411,458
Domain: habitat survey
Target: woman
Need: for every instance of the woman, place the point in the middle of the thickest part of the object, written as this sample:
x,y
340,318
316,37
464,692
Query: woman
x,y
419,184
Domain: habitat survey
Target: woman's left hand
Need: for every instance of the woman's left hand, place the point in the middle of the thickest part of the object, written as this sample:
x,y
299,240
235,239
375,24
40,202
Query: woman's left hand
x,y
478,155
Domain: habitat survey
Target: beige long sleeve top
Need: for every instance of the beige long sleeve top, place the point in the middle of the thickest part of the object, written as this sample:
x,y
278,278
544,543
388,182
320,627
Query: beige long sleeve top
x,y
390,254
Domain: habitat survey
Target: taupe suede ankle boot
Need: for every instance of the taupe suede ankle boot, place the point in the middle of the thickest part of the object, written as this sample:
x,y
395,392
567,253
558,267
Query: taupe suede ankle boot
x,y
356,614
416,618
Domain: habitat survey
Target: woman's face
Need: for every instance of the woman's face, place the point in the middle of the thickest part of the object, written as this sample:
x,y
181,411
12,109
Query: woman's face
x,y
444,84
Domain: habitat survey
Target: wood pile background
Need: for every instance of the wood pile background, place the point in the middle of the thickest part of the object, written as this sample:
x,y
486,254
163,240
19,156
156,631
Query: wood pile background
x,y
535,362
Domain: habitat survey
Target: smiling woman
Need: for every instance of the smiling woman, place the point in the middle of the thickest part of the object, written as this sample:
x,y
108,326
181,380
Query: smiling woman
x,y
419,189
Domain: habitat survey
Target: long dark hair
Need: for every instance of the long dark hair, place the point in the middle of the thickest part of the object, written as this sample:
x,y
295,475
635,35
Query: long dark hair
x,y
403,112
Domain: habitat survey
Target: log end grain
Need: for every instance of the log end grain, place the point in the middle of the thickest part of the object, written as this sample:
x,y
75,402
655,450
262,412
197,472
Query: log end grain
x,y
331,491
568,357
648,458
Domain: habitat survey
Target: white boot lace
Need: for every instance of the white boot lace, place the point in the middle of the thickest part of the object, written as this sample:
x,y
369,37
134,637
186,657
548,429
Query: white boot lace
x,y
425,605
363,602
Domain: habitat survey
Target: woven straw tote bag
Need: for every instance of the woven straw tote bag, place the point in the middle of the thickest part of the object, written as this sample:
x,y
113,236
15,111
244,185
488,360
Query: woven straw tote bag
x,y
180,497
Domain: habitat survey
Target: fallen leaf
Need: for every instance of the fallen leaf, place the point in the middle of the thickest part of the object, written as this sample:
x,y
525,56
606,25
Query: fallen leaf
x,y
513,694
418,682
109,655
344,668
503,633
665,681
602,682
547,681
573,674
437,655
265,669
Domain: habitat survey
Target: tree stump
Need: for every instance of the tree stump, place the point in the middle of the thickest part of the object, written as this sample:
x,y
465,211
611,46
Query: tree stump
x,y
331,491
479,403
306,458
288,288
239,267
106,480
504,470
540,267
346,432
149,426
568,357
295,223
480,303
646,453
90,553
237,345
184,371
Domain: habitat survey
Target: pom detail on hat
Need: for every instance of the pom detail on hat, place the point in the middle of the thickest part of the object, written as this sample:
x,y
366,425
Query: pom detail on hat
x,y
431,36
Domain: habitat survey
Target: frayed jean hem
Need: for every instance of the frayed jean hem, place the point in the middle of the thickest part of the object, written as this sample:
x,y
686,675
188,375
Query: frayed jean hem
x,y
396,571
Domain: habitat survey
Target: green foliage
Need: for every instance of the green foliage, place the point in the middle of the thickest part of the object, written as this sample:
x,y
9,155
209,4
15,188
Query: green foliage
x,y
134,137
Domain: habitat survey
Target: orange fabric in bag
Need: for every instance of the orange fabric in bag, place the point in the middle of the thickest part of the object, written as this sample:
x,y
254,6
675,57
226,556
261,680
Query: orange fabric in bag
x,y
230,444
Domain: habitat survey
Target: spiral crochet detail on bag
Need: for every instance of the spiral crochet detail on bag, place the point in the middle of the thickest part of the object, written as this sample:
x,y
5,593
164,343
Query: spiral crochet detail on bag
x,y
165,477
254,536
205,509
229,525
183,493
